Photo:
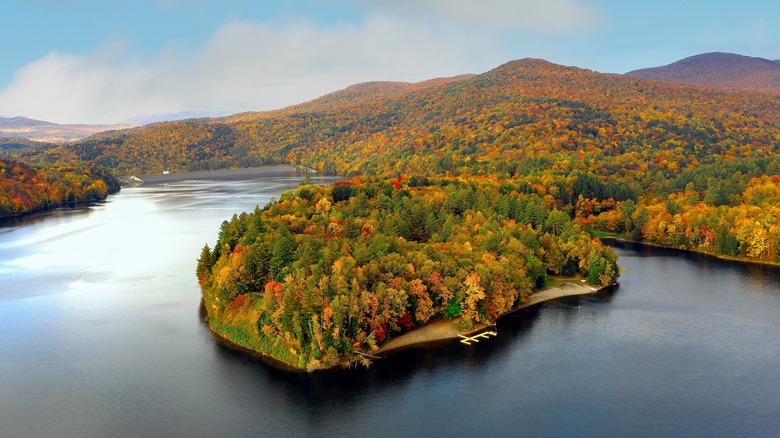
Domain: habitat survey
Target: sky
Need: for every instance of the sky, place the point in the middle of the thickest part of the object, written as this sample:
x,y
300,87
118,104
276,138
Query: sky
x,y
113,61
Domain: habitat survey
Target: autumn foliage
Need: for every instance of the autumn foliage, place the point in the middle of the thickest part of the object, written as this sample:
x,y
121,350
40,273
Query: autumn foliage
x,y
746,226
26,188
315,287
587,142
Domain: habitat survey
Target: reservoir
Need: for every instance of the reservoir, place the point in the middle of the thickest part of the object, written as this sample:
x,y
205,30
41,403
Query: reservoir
x,y
101,334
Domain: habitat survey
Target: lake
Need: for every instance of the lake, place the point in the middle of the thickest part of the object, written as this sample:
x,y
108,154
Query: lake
x,y
102,334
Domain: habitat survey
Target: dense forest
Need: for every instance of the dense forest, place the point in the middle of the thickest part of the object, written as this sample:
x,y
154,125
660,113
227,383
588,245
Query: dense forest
x,y
744,224
326,272
24,188
590,141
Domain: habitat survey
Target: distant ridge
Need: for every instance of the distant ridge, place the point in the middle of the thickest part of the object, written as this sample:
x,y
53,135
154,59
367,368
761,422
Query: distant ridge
x,y
145,119
721,70
372,90
19,144
48,132
356,94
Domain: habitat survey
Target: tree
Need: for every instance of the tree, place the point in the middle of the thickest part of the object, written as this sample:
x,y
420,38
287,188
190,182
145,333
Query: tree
x,y
283,252
341,192
423,303
474,293
556,222
203,269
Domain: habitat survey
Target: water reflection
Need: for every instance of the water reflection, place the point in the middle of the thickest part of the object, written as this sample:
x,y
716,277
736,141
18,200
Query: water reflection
x,y
68,210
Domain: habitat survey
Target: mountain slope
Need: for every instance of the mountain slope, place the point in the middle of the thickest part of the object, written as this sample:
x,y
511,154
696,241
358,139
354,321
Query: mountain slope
x,y
354,95
722,70
42,131
515,119
625,154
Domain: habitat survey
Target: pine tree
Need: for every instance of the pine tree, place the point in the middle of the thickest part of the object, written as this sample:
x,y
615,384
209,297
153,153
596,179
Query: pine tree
x,y
205,263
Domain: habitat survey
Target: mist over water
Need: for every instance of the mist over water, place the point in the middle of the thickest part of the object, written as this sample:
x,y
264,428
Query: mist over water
x,y
101,334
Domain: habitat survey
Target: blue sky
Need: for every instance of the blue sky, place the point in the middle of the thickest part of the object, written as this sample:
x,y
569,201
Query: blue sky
x,y
89,61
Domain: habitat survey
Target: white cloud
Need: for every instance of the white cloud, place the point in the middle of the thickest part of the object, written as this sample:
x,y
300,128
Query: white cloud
x,y
546,16
72,88
245,66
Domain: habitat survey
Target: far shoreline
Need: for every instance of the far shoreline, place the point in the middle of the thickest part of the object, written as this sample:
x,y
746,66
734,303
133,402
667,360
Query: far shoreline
x,y
694,251
219,174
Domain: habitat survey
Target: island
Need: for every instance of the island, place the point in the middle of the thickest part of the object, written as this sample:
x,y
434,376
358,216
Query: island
x,y
329,276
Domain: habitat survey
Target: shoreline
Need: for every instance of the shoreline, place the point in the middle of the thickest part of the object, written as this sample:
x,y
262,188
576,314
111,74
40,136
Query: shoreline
x,y
220,174
43,210
447,329
223,174
694,251
435,331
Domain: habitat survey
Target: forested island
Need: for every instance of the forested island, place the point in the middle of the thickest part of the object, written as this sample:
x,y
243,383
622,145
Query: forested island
x,y
327,273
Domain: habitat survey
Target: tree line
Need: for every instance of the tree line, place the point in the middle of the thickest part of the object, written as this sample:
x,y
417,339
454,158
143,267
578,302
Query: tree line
x,y
25,188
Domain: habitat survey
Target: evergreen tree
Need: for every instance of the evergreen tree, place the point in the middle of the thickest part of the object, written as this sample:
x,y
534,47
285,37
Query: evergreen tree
x,y
205,263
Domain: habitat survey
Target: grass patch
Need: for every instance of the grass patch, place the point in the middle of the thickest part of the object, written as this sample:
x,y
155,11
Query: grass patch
x,y
550,282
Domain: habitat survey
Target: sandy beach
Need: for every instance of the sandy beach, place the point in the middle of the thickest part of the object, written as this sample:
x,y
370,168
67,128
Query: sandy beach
x,y
448,329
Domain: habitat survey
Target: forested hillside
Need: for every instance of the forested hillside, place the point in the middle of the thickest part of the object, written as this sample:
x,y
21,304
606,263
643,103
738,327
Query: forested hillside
x,y
585,142
24,188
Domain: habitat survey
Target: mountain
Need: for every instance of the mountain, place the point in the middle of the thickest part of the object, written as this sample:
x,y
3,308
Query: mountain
x,y
145,119
17,144
356,94
620,153
722,70
497,173
41,131
518,118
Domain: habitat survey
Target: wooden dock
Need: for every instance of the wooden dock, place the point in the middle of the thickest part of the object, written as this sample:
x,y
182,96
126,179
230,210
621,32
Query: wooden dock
x,y
469,339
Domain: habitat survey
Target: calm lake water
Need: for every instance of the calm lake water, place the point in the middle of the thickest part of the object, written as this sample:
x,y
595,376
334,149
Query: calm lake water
x,y
101,334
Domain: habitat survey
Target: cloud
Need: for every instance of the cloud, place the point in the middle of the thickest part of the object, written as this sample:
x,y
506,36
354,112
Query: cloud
x,y
70,88
546,16
246,65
